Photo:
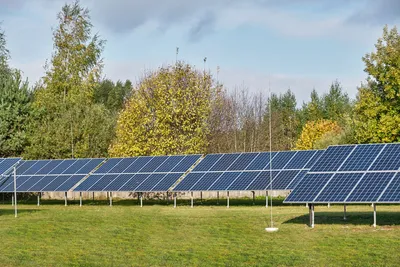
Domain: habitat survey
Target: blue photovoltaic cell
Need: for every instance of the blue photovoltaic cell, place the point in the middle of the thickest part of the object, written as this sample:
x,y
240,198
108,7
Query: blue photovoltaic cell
x,y
186,163
339,187
169,164
89,166
281,159
108,165
261,161
24,165
52,186
389,159
118,182
166,183
190,180
283,179
296,180
370,187
42,183
88,182
392,192
122,165
5,183
7,164
20,181
150,182
207,162
224,181
224,162
243,181
309,187
39,164
332,158
361,158
138,164
65,164
300,160
69,183
243,161
153,164
77,166
49,167
134,182
102,182
206,181
262,181
314,159
29,183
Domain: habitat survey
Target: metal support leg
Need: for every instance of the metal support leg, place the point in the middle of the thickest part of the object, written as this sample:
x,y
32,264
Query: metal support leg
x,y
191,201
111,202
227,199
374,215
201,197
12,200
217,197
266,199
306,205
15,193
93,196
329,205
174,200
80,199
38,199
65,197
254,197
344,212
141,200
167,198
311,210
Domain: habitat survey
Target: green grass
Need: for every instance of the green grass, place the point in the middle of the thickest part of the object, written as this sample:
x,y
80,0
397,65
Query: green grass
x,y
159,235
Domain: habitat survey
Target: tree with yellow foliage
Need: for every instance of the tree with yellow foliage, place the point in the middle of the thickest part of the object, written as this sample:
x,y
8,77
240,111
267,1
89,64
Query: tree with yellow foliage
x,y
314,131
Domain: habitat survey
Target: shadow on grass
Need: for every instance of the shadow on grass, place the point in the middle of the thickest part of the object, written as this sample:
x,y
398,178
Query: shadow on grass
x,y
352,218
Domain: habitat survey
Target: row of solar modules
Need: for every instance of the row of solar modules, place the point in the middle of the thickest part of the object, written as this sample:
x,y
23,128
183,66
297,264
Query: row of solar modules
x,y
352,174
7,164
249,171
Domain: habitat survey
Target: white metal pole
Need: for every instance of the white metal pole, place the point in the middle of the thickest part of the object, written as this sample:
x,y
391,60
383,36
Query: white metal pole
x,y
38,199
374,215
254,197
217,197
65,197
12,200
191,201
329,205
227,199
111,203
266,199
15,192
141,200
80,199
312,216
174,200
344,211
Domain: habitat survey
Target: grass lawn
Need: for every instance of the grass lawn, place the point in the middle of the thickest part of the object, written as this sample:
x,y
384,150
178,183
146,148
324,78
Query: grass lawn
x,y
207,235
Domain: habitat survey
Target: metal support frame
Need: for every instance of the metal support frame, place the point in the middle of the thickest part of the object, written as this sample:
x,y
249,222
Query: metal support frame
x,y
174,200
227,199
344,212
254,197
65,197
80,199
15,192
141,199
111,201
217,197
266,199
329,205
374,225
191,200
12,200
93,196
167,198
311,212
307,205
38,198
201,196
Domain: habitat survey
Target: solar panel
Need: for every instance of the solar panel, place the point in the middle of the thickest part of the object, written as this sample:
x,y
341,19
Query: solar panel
x,y
242,161
362,157
281,159
392,192
389,159
50,175
283,179
309,187
207,162
293,184
224,162
7,164
224,181
189,181
262,181
332,159
300,160
243,181
139,174
261,162
207,180
338,187
318,154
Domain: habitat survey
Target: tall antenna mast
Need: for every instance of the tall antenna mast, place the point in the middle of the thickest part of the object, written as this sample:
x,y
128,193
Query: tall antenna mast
x,y
271,228
176,55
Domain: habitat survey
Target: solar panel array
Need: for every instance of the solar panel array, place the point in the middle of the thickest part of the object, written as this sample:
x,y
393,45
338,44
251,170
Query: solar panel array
x,y
49,175
138,174
352,174
249,171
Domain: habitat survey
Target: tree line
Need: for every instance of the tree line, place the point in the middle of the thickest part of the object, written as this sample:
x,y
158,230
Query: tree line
x,y
75,111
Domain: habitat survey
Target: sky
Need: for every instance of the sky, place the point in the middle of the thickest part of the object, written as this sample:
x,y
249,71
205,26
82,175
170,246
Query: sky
x,y
259,44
